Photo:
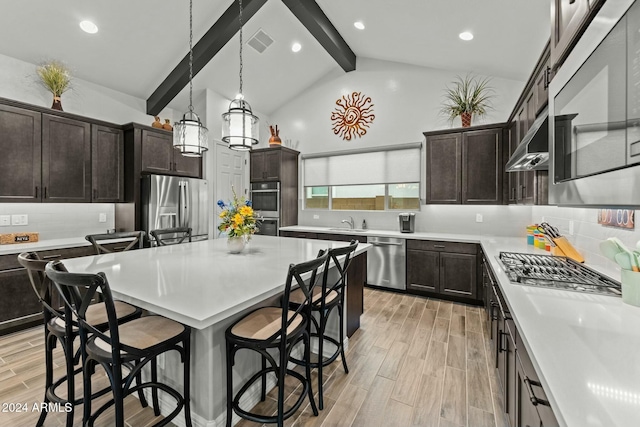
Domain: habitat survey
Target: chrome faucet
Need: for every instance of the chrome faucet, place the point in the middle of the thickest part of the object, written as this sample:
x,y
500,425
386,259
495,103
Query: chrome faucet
x,y
350,221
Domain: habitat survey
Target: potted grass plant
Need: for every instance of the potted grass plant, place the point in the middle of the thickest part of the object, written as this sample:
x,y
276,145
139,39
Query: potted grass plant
x,y
56,78
467,96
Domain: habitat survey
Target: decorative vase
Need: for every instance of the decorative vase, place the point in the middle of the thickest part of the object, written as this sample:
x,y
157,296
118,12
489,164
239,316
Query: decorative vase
x,y
275,140
466,119
156,123
236,244
57,104
167,125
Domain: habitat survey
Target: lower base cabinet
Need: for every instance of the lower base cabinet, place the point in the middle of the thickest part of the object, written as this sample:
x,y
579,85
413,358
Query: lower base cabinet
x,y
446,270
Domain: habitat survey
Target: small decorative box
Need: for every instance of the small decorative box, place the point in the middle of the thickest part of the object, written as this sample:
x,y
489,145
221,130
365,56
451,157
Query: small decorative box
x,y
11,238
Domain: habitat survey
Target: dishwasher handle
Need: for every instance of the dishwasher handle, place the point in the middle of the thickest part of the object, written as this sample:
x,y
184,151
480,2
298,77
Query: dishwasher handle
x,y
386,244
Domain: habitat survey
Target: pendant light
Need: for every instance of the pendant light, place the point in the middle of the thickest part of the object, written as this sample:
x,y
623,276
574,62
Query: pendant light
x,y
239,124
189,135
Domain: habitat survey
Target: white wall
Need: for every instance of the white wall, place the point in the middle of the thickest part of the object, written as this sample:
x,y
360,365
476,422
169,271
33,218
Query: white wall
x,y
18,81
406,102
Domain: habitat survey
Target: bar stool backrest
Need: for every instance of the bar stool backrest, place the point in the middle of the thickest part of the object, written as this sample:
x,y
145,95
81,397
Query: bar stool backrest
x,y
341,266
170,236
295,273
79,291
97,240
40,282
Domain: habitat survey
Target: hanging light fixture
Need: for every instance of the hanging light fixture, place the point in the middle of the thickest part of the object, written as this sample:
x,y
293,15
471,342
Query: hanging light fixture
x,y
189,135
239,124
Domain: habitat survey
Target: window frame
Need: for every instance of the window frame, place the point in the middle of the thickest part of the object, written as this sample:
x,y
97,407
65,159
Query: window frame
x,y
386,199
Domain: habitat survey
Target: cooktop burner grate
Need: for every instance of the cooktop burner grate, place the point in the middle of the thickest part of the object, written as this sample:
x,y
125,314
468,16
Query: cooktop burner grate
x,y
556,272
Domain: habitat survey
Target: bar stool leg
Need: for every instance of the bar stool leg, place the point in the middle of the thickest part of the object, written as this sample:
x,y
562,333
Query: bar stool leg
x,y
230,360
118,398
86,384
69,361
49,343
187,379
282,370
307,356
344,359
323,324
154,390
141,397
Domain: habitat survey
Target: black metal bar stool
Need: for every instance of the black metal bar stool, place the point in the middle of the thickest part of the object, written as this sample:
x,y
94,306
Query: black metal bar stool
x,y
325,300
134,343
55,331
98,241
276,328
170,236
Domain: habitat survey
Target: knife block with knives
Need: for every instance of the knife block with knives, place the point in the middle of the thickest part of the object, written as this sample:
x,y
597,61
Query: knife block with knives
x,y
562,246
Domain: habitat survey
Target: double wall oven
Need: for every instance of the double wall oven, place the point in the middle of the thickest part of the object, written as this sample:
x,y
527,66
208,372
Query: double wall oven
x,y
265,197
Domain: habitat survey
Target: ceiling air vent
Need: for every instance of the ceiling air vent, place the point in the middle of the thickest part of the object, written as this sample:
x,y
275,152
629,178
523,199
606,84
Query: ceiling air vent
x,y
260,41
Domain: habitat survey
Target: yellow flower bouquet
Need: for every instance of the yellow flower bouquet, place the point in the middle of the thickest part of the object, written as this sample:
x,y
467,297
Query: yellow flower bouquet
x,y
237,218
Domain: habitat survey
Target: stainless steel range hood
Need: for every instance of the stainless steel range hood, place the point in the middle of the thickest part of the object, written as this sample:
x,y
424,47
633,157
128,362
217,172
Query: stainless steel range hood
x,y
533,151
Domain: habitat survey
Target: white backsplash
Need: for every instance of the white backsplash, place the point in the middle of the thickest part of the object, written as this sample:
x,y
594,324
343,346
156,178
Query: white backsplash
x,y
60,220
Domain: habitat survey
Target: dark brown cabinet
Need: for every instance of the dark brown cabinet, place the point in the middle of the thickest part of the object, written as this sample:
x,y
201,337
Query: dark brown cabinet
x,y
107,164
465,166
265,165
20,145
541,85
159,156
568,19
443,269
66,160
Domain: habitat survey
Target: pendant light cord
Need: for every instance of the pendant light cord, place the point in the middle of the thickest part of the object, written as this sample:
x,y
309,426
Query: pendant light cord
x,y
240,18
191,56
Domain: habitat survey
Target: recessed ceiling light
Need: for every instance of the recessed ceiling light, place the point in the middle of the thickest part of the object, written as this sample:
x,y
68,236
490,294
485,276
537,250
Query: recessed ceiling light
x,y
466,36
296,47
89,27
359,25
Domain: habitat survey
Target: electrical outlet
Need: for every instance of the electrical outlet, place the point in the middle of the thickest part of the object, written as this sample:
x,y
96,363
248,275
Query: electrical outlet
x,y
316,217
102,217
543,219
571,227
478,217
21,219
5,220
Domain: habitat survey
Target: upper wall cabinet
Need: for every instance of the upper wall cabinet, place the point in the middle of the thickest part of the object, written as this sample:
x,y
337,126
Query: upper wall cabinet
x,y
159,156
20,145
465,166
569,19
107,164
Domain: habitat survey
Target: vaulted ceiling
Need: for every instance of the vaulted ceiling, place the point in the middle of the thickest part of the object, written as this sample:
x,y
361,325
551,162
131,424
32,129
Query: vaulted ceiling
x,y
140,42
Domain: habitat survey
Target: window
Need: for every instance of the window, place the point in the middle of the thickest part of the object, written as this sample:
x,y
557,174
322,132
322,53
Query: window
x,y
377,197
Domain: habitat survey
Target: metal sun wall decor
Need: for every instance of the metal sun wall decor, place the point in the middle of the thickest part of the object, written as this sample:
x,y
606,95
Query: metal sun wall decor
x,y
353,116
620,218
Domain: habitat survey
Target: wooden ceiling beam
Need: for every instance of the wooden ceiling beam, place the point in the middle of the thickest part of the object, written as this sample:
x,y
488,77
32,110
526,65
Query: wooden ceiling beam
x,y
204,50
318,24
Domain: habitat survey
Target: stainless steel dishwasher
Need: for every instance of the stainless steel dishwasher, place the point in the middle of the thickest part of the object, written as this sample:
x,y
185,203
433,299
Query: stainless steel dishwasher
x,y
386,262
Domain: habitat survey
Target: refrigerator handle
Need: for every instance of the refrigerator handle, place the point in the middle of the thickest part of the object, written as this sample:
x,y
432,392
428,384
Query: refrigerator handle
x,y
184,204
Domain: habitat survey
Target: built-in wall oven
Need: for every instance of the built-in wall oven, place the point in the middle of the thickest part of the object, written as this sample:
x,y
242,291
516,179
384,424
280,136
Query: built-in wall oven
x,y
265,199
594,113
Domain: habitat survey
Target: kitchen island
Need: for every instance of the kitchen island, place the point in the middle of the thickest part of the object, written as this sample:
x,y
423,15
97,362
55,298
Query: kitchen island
x,y
201,285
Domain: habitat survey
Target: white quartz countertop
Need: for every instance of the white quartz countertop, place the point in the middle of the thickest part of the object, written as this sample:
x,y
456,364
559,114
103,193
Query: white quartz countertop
x,y
585,348
446,237
44,245
200,283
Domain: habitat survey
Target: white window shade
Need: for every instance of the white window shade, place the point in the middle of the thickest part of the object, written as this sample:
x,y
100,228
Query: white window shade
x,y
388,165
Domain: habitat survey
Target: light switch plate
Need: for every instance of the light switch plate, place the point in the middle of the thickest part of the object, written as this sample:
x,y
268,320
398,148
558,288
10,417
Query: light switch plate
x,y
316,217
478,217
571,227
22,219
5,220
102,217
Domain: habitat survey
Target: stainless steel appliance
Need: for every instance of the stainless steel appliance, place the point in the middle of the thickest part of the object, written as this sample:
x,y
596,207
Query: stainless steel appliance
x,y
533,152
265,199
594,113
407,222
172,201
386,262
556,272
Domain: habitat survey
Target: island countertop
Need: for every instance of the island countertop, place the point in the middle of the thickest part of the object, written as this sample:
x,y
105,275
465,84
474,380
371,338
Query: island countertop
x,y
200,283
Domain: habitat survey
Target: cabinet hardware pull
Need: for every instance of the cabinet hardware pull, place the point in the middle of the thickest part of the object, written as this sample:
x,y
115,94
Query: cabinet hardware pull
x,y
95,193
502,347
45,192
492,312
51,256
439,246
572,1
535,401
547,77
36,192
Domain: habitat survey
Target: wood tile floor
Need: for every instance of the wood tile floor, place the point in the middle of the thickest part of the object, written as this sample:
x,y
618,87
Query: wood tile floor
x,y
414,362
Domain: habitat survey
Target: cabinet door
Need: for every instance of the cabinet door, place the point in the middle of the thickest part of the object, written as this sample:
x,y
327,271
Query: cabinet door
x,y
510,373
157,152
66,160
541,87
527,184
272,165
187,166
18,297
512,177
20,145
531,108
444,158
567,17
107,164
256,166
458,275
423,271
482,167
526,414
356,279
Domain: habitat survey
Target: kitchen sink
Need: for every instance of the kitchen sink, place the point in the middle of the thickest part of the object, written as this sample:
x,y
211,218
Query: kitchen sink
x,y
354,230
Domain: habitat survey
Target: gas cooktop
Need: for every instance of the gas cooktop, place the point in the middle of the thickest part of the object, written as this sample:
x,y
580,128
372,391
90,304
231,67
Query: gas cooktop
x,y
556,272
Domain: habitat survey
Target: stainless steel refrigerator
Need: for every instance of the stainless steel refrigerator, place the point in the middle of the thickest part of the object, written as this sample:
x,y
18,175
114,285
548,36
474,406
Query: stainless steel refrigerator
x,y
173,201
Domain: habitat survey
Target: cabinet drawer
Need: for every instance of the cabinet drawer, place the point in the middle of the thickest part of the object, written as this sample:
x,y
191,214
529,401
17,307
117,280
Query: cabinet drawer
x,y
56,254
453,247
9,261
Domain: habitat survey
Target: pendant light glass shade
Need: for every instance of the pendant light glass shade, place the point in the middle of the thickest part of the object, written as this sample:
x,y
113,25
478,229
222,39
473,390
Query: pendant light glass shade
x,y
240,126
189,136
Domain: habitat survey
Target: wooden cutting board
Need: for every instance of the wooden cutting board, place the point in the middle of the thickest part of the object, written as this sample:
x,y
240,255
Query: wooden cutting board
x,y
13,238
